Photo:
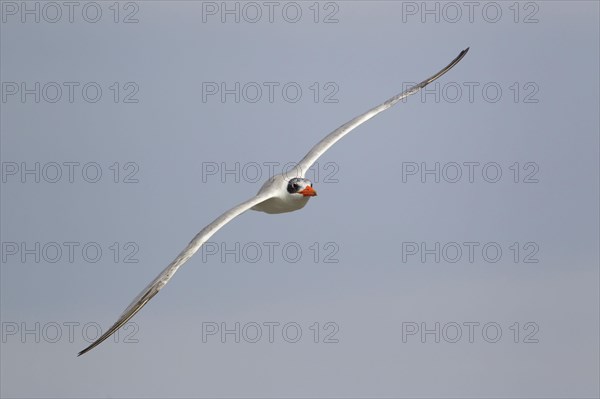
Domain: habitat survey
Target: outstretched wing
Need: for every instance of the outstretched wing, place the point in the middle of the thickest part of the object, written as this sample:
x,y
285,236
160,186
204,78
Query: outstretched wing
x,y
341,131
163,278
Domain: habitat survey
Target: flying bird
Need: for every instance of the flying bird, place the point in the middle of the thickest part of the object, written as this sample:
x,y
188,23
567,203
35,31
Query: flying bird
x,y
282,193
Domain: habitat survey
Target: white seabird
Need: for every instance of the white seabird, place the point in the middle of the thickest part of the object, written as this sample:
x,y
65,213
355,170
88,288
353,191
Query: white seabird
x,y
282,193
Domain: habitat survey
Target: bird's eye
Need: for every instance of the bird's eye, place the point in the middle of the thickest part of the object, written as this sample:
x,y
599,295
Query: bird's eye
x,y
293,187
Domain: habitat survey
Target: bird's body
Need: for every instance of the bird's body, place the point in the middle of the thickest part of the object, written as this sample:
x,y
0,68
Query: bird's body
x,y
281,201
280,205
282,193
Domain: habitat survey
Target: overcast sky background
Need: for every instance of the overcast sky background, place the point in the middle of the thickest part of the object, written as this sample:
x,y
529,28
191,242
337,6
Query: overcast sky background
x,y
542,56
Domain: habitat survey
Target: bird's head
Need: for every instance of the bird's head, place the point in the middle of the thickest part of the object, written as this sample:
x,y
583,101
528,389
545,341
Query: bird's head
x,y
300,187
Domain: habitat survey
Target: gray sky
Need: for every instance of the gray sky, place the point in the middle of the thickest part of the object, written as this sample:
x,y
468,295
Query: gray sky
x,y
146,131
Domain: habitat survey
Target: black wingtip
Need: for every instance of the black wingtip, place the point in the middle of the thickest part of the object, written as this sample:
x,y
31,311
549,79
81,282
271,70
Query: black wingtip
x,y
99,340
448,67
461,55
84,351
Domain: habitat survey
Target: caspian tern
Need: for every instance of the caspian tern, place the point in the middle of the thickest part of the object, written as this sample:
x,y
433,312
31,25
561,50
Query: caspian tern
x,y
282,193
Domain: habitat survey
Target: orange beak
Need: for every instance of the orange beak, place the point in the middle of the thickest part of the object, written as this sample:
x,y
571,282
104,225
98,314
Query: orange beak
x,y
308,192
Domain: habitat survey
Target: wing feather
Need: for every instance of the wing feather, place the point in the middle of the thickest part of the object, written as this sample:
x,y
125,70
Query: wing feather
x,y
163,278
329,140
